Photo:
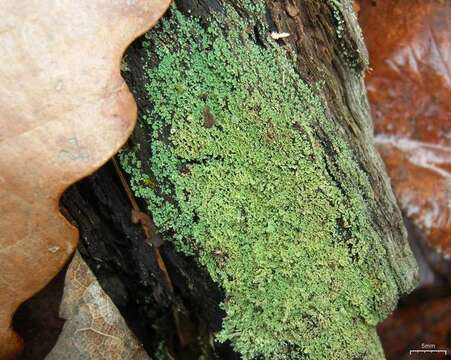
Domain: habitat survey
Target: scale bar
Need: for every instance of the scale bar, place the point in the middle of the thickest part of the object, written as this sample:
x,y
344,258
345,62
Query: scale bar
x,y
428,351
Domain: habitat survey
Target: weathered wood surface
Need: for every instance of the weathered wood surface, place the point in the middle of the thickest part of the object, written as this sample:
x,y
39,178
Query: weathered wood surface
x,y
115,248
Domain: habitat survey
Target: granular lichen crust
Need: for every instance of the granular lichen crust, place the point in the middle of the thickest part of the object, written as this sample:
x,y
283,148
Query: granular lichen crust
x,y
246,173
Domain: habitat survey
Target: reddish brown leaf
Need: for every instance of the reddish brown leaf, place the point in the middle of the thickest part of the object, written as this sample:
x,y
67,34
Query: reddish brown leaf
x,y
415,326
410,94
64,111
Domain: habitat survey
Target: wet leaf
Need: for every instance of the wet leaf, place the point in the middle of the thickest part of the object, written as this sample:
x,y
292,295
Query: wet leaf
x,y
409,88
414,326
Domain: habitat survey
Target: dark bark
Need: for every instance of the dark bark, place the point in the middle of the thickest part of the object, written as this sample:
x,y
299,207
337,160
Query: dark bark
x,y
117,251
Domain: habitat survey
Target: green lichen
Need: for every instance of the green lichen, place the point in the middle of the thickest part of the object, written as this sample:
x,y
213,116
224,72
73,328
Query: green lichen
x,y
248,174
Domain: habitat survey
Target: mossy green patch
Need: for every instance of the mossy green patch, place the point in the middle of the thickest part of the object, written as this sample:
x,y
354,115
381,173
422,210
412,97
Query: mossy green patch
x,y
249,174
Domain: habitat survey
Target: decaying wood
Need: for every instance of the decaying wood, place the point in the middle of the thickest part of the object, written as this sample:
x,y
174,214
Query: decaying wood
x,y
65,110
122,259
322,55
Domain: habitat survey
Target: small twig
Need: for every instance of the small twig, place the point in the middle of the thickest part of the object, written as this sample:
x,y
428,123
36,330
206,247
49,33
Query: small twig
x,y
125,184
149,231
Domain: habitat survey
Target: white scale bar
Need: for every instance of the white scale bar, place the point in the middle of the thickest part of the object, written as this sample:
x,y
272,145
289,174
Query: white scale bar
x,y
428,351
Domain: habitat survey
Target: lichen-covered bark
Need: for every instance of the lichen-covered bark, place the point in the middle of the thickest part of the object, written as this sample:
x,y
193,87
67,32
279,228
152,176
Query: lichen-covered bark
x,y
257,158
329,47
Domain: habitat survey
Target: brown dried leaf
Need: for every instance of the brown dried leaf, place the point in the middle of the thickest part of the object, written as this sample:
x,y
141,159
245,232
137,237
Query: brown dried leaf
x,y
94,328
410,94
421,179
64,111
